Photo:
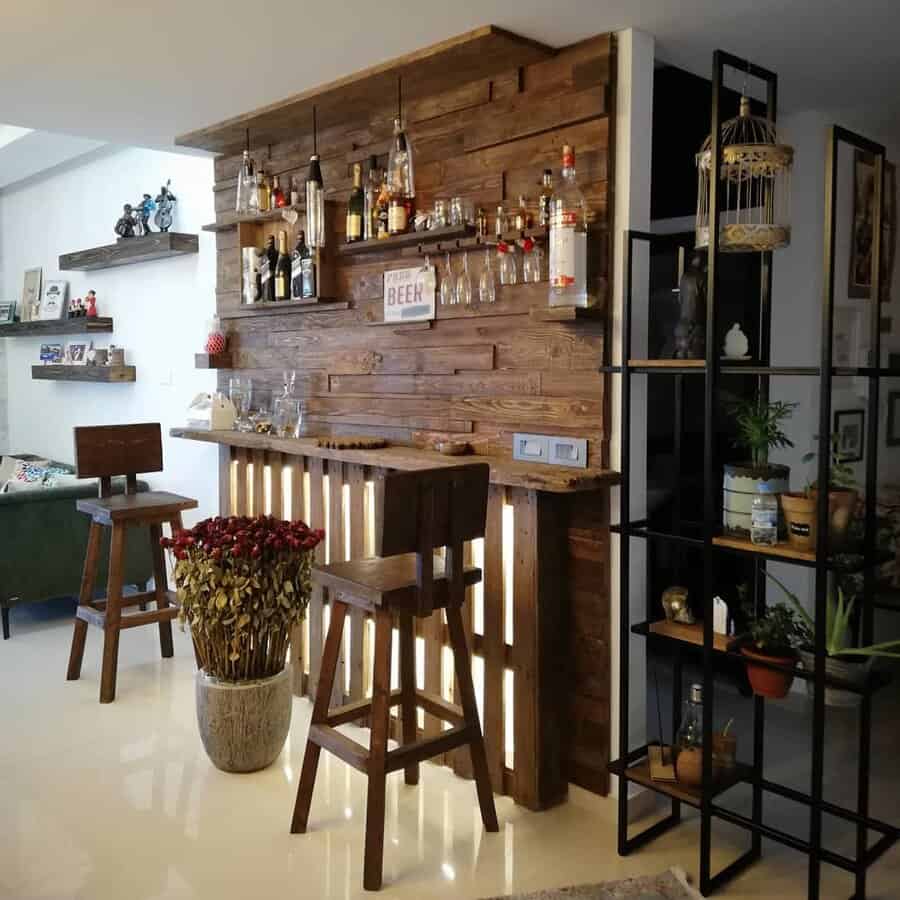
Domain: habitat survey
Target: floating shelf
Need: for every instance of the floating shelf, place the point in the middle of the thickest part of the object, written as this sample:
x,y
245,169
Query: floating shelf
x,y
667,363
227,221
157,245
409,239
267,308
782,549
81,325
568,313
224,360
639,773
689,634
97,374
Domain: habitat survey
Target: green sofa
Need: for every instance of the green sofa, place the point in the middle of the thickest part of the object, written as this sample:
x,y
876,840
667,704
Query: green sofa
x,y
44,538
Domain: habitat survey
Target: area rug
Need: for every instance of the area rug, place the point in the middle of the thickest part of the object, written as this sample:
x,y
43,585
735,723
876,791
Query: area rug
x,y
671,885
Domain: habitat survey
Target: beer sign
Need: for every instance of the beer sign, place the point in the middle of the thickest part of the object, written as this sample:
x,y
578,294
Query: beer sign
x,y
409,294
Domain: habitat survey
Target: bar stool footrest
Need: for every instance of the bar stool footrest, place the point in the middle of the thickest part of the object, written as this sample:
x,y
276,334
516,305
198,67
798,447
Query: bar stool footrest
x,y
95,614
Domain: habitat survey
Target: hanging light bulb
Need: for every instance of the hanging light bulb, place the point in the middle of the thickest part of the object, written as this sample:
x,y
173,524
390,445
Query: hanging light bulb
x,y
315,196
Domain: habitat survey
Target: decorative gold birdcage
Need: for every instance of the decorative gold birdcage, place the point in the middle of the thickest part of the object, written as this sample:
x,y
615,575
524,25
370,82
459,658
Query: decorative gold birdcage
x,y
754,186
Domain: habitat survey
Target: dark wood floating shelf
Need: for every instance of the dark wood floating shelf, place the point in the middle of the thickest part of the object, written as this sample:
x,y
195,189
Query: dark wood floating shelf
x,y
567,313
639,773
97,374
158,245
409,239
223,360
81,325
227,221
267,308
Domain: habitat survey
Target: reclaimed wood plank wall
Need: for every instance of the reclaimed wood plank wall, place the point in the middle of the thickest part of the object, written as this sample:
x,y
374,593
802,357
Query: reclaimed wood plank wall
x,y
477,374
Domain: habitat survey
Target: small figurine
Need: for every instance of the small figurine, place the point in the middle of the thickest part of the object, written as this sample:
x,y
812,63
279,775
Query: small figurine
x,y
690,332
736,344
91,301
165,211
125,226
142,212
90,355
675,605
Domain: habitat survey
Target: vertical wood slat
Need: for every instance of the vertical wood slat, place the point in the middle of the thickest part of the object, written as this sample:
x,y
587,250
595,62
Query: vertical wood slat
x,y
276,462
462,758
493,641
355,477
317,520
241,507
258,499
226,503
298,677
336,547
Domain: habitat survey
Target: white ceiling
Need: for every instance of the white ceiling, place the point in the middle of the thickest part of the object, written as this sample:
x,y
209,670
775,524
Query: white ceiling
x,y
140,73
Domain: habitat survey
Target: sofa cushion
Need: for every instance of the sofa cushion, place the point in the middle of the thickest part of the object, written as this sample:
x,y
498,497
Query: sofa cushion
x,y
7,467
28,472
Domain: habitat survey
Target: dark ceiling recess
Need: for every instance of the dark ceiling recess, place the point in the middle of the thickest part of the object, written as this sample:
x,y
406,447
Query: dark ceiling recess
x,y
681,104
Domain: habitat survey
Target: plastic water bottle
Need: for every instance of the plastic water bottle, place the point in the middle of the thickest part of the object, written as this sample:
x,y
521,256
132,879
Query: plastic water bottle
x,y
764,516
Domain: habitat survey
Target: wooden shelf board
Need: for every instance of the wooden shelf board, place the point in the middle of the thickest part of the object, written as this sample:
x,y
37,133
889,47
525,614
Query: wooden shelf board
x,y
667,363
157,245
782,549
96,374
639,773
568,313
690,634
408,239
81,325
223,360
556,479
295,306
229,220
476,54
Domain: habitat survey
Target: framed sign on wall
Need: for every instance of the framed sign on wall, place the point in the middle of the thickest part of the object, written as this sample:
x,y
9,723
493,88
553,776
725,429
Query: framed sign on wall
x,y
409,294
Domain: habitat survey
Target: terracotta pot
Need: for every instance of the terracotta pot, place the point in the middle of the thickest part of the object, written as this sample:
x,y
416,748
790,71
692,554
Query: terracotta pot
x,y
740,484
768,682
800,518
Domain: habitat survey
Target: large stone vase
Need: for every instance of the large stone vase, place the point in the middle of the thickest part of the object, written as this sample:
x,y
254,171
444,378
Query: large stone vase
x,y
243,724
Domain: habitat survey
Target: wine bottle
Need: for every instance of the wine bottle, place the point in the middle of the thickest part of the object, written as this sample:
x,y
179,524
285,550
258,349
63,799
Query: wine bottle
x,y
282,269
568,239
370,199
263,191
381,208
523,217
246,185
356,207
401,209
279,201
272,258
546,194
303,270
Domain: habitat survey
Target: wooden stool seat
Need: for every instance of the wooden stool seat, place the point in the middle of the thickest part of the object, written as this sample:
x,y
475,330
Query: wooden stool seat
x,y
416,512
102,452
391,581
150,505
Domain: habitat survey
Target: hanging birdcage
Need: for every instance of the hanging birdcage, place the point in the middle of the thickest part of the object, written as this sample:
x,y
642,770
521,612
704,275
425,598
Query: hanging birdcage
x,y
754,186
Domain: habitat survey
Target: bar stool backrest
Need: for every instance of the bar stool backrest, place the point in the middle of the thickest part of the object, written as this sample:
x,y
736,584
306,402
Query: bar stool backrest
x,y
102,451
418,512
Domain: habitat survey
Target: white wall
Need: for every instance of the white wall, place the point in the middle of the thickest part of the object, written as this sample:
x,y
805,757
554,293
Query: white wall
x,y
160,310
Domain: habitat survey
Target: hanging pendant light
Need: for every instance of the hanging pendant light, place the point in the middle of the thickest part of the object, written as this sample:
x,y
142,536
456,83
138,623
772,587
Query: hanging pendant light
x,y
315,196
755,186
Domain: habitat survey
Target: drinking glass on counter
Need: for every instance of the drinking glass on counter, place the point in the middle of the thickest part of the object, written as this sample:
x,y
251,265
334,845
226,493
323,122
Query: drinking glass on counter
x,y
261,414
464,284
287,417
239,392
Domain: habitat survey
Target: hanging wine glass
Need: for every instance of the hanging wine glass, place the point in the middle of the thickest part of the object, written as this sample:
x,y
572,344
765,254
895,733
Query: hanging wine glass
x,y
531,269
508,274
464,284
448,284
487,290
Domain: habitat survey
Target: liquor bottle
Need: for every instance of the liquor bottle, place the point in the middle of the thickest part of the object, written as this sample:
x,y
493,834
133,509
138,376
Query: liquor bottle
x,y
263,193
381,209
246,185
303,270
265,276
279,201
315,203
481,223
370,199
523,217
546,194
356,207
272,259
501,225
568,239
282,269
295,191
401,181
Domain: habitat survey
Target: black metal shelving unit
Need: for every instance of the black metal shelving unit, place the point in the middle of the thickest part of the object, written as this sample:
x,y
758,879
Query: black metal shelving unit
x,y
705,538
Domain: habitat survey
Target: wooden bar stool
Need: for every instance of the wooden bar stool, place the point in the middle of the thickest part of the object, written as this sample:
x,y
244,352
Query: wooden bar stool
x,y
417,512
102,452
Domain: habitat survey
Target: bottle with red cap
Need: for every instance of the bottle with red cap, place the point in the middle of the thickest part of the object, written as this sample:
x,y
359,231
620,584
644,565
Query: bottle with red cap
x,y
568,238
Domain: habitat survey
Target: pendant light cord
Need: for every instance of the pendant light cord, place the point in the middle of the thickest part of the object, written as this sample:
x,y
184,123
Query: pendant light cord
x,y
315,134
400,97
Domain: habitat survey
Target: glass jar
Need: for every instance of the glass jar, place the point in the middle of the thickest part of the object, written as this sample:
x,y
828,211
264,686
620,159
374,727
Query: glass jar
x,y
457,211
764,516
441,217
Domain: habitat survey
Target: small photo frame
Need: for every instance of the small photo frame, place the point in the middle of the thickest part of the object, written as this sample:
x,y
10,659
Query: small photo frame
x,y
53,300
31,295
893,419
77,353
7,311
850,428
51,354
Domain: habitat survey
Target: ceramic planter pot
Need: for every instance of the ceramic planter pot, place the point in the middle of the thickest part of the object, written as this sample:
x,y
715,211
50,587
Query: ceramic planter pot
x,y
841,503
768,682
740,484
852,669
243,724
800,520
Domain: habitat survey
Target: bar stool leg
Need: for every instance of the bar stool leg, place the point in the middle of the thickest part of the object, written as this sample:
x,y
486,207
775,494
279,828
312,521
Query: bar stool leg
x,y
381,712
463,666
160,579
113,615
85,597
330,655
408,689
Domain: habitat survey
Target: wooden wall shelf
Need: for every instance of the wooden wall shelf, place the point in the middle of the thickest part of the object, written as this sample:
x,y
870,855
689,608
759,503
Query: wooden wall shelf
x,y
224,360
82,325
96,374
157,245
267,308
568,313
410,239
227,221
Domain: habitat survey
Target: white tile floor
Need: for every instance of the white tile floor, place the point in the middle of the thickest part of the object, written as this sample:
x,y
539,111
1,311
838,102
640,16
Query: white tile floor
x,y
119,802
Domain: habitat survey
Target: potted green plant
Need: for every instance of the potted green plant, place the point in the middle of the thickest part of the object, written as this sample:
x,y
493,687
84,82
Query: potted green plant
x,y
772,638
759,430
243,585
851,664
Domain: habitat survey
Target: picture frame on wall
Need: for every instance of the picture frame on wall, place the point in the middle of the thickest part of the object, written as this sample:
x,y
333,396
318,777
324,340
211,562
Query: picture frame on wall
x,y
51,353
77,353
31,295
860,270
53,300
7,311
850,428
893,419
